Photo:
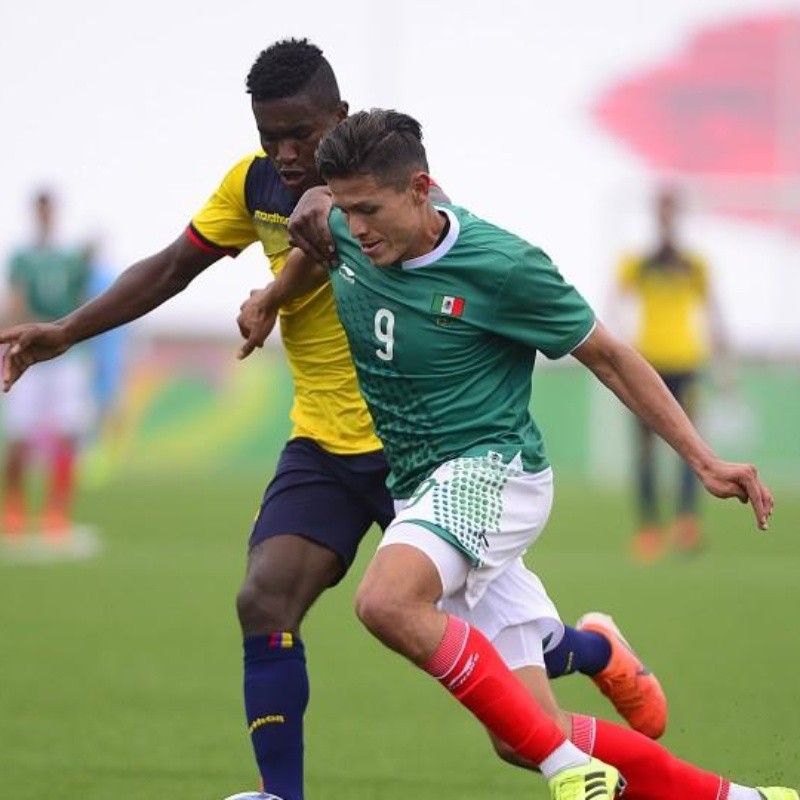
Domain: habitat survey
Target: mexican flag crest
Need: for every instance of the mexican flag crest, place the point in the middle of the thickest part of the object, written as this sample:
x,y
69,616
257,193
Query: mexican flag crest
x,y
448,305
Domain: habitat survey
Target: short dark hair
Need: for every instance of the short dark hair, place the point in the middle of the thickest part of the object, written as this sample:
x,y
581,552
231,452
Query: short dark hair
x,y
383,143
291,67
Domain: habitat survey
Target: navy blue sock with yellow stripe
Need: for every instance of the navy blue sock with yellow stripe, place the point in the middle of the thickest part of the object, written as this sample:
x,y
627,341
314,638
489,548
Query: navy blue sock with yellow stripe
x,y
579,651
275,699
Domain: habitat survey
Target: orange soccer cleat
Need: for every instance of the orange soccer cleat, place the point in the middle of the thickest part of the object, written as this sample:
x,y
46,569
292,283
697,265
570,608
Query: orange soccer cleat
x,y
55,524
634,691
14,518
688,535
648,545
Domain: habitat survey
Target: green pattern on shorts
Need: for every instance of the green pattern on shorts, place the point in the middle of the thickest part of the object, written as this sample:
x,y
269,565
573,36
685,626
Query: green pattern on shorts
x,y
470,503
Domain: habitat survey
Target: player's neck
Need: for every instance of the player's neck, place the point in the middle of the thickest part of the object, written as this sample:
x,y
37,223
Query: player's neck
x,y
433,230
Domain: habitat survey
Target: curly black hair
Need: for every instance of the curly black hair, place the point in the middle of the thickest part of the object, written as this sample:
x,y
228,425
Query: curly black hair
x,y
290,67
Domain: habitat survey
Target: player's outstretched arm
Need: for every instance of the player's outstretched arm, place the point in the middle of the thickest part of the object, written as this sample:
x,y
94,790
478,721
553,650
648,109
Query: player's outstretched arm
x,y
640,388
141,288
258,314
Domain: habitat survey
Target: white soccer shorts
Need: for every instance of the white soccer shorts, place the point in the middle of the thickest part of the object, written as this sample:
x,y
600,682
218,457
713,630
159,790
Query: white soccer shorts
x,y
475,518
51,397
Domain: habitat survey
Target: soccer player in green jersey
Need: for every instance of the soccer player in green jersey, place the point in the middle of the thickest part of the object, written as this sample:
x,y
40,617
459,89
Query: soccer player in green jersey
x,y
47,281
444,314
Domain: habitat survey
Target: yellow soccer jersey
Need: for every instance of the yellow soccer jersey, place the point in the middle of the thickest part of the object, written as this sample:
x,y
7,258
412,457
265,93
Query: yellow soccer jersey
x,y
251,204
673,295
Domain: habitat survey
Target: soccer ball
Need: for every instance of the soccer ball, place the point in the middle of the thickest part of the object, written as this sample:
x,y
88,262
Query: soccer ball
x,y
253,796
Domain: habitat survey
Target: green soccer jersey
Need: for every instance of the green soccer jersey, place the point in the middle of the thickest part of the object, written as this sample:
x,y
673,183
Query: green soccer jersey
x,y
444,345
52,282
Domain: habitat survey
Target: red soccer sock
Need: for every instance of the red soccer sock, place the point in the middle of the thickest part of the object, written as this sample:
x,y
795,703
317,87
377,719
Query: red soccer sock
x,y
469,667
62,482
14,514
652,772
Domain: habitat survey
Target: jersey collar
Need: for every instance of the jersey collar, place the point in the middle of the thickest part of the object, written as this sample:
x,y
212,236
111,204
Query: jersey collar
x,y
442,248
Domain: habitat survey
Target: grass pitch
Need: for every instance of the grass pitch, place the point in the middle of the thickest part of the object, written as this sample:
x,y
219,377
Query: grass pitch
x,y
120,675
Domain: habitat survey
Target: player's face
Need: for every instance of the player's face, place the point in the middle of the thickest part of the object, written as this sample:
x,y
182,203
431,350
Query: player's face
x,y
667,212
290,130
387,221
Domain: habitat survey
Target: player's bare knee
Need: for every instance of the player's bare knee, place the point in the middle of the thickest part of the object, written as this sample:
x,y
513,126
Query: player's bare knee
x,y
379,612
264,612
368,607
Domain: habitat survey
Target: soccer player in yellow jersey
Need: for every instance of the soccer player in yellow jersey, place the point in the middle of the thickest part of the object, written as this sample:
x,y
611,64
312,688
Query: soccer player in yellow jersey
x,y
329,484
678,323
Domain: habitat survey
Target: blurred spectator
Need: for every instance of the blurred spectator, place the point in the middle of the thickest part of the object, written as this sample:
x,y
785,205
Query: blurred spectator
x,y
678,329
52,408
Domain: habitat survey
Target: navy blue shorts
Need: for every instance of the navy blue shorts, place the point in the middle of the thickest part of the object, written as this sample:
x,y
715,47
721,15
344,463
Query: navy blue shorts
x,y
332,500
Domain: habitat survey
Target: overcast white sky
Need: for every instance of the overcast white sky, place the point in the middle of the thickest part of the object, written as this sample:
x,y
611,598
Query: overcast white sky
x,y
135,111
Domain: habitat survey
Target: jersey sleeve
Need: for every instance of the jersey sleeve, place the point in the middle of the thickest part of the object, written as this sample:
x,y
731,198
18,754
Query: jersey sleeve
x,y
538,308
224,224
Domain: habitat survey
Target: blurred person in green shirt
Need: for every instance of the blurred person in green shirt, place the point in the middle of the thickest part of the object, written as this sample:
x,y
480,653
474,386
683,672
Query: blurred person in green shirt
x,y
53,408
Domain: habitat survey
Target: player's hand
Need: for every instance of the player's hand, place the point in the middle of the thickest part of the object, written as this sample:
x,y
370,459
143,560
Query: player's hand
x,y
257,317
727,479
27,345
308,226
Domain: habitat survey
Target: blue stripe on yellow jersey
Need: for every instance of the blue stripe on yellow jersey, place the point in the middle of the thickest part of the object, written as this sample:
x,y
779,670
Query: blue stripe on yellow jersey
x,y
251,204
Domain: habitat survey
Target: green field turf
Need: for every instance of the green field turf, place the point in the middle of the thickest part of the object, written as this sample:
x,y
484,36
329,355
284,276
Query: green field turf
x,y
119,676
